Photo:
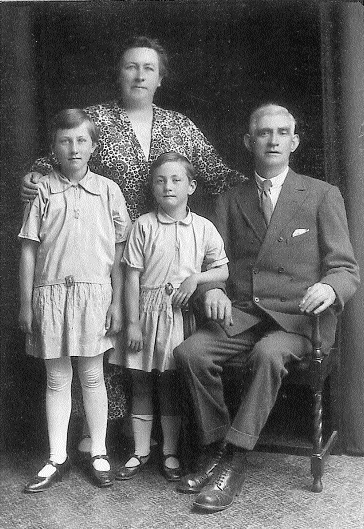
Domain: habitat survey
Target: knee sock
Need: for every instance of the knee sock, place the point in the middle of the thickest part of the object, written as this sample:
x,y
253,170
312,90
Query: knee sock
x,y
95,404
142,429
171,425
58,410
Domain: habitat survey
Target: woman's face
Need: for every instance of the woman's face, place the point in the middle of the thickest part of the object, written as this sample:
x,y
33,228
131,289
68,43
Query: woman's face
x,y
139,75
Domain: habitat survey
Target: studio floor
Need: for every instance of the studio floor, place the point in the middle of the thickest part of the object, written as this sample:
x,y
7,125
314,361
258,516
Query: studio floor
x,y
276,495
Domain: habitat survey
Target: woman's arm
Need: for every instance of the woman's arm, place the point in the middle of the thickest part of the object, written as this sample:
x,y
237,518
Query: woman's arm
x,y
113,322
189,285
26,282
134,332
210,168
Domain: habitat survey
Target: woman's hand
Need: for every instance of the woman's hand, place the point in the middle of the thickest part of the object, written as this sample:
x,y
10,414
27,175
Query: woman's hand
x,y
114,322
134,337
26,319
29,188
185,291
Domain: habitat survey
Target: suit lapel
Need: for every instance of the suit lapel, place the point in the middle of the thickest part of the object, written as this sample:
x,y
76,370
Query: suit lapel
x,y
292,195
248,203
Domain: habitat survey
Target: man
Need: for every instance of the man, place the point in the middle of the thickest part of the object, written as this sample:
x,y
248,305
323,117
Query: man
x,y
290,255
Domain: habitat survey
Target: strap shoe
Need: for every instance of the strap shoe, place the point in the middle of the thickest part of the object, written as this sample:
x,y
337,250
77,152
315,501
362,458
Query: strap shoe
x,y
171,474
102,478
39,483
129,472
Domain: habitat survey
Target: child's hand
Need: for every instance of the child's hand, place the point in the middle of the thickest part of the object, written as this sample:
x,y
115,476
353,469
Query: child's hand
x,y
134,337
185,291
26,319
113,323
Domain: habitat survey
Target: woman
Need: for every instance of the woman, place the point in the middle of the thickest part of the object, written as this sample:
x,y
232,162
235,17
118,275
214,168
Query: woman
x,y
133,133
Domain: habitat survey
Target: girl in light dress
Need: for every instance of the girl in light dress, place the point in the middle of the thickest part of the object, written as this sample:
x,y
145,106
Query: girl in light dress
x,y
169,253
73,236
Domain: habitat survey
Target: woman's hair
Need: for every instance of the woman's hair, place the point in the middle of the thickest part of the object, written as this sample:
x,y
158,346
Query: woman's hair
x,y
70,118
173,157
141,41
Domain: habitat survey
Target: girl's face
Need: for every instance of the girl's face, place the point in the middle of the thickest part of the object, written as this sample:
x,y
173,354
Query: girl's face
x,y
171,186
139,75
73,149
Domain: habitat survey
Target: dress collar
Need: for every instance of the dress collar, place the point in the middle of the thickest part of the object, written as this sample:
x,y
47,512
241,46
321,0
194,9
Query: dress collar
x,y
59,183
164,218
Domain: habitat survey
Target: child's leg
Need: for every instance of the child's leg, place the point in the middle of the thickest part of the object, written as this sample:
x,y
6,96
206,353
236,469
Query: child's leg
x,y
141,413
58,410
91,373
169,399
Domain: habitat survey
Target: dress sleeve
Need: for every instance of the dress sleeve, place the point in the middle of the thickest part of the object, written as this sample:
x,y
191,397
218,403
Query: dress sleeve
x,y
209,166
120,215
33,215
214,249
134,249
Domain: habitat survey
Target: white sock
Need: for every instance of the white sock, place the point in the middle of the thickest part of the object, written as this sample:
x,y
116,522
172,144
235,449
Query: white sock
x,y
171,425
142,429
101,464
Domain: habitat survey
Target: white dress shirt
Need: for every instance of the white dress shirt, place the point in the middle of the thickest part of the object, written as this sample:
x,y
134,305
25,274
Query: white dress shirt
x,y
275,189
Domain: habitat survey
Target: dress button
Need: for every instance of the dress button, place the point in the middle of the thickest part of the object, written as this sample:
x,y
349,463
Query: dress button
x,y
283,299
280,270
255,270
280,239
256,300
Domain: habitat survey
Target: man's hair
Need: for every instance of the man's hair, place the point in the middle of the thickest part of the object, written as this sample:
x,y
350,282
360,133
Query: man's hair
x,y
70,118
173,157
269,108
141,41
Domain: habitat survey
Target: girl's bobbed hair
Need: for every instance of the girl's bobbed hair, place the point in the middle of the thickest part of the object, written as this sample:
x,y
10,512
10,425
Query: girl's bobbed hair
x,y
70,118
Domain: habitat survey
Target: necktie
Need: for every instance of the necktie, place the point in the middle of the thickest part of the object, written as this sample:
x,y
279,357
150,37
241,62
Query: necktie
x,y
265,201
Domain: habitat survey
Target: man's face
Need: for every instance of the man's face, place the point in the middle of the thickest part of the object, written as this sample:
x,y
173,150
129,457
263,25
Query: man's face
x,y
272,141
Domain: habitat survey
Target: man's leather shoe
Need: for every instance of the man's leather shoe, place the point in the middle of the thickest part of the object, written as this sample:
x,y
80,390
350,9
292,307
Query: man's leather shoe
x,y
225,485
129,472
209,458
102,478
39,484
171,474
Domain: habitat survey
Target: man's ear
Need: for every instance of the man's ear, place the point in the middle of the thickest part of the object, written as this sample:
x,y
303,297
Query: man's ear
x,y
248,142
295,142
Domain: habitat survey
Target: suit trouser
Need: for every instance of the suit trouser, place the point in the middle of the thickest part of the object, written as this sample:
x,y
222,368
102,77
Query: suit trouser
x,y
266,348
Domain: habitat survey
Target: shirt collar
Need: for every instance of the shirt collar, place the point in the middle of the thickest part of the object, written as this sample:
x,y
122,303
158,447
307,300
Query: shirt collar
x,y
59,183
277,181
164,218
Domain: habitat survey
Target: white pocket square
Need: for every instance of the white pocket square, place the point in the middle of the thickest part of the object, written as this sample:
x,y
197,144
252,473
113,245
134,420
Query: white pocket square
x,y
299,231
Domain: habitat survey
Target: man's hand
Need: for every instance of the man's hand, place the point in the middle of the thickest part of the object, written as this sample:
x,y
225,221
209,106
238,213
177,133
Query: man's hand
x,y
218,307
317,298
29,188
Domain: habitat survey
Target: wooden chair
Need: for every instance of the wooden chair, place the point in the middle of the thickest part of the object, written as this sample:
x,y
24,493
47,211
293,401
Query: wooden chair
x,y
312,372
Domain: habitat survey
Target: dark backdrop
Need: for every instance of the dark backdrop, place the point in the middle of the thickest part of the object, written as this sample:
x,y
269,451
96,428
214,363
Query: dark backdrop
x,y
226,57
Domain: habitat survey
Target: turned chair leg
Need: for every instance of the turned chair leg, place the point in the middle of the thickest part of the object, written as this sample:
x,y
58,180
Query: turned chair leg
x,y
317,462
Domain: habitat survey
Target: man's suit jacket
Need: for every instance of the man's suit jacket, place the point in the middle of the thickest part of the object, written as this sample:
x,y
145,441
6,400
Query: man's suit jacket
x,y
270,269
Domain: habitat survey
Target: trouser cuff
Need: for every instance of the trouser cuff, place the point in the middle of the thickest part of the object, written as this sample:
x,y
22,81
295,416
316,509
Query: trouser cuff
x,y
241,439
212,436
